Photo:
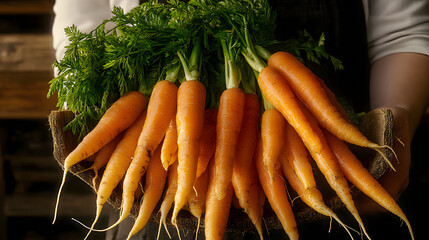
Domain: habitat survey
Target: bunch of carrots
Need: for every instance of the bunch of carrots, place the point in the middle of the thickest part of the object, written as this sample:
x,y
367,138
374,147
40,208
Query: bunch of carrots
x,y
272,118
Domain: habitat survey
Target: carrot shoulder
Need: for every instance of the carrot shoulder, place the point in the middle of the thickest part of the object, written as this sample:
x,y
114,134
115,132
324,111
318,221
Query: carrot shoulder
x,y
117,118
161,108
229,118
359,176
277,91
189,120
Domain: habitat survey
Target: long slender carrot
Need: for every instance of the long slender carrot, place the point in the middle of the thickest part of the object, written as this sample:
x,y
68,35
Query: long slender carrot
x,y
295,162
102,157
168,199
117,118
208,140
197,199
217,211
153,189
161,108
299,157
169,145
278,92
118,165
329,166
307,87
244,175
359,176
190,120
273,134
229,118
275,192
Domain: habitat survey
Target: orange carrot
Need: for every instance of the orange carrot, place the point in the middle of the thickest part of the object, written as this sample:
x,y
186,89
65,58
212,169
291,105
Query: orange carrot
x,y
277,91
118,164
295,162
244,176
100,159
208,140
306,86
273,134
217,211
161,108
153,189
329,166
229,118
359,176
117,118
190,120
168,200
197,199
169,146
275,192
299,157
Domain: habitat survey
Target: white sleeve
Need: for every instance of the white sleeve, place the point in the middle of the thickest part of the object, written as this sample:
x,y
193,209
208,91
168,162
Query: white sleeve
x,y
397,26
85,14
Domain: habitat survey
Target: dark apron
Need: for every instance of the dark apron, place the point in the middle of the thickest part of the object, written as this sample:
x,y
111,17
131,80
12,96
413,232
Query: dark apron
x,y
343,24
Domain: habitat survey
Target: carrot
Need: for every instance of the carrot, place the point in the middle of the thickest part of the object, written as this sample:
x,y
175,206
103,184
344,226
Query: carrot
x,y
296,166
229,118
359,176
277,91
208,140
307,87
118,165
329,166
273,134
161,108
169,146
102,158
196,201
153,189
217,211
244,175
276,194
190,120
168,200
117,118
299,157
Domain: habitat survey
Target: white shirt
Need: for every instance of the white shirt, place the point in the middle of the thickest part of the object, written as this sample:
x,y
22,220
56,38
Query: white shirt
x,y
392,25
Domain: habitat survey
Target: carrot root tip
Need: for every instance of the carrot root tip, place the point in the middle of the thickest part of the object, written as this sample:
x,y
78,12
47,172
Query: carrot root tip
x,y
378,149
59,194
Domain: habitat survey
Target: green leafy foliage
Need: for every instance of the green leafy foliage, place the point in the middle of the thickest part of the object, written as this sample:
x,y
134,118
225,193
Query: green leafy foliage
x,y
132,51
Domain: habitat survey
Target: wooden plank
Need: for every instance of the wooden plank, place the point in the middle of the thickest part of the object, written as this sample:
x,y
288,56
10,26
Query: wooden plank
x,y
23,95
26,7
26,52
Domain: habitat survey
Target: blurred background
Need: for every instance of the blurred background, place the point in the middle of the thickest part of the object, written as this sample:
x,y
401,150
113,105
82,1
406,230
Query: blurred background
x,y
30,176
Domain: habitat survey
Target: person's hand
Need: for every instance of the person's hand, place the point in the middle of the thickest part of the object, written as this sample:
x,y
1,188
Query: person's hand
x,y
394,182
